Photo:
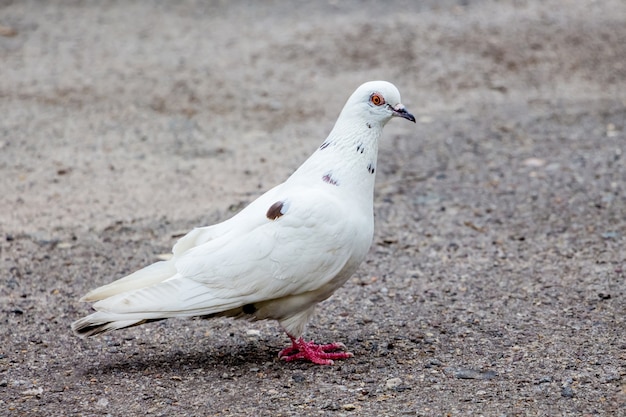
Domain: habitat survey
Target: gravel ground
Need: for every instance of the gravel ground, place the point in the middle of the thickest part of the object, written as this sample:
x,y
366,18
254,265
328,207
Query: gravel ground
x,y
496,282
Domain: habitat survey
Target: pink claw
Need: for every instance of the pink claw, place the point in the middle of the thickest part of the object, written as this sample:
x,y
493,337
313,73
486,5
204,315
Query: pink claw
x,y
309,351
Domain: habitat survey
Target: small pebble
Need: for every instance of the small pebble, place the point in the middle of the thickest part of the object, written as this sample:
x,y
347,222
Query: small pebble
x,y
545,379
7,31
298,378
610,235
435,362
463,373
393,383
567,392
331,407
33,391
534,162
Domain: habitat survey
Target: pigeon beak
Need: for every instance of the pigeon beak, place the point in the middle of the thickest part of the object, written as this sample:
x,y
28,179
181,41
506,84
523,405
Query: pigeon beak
x,y
400,111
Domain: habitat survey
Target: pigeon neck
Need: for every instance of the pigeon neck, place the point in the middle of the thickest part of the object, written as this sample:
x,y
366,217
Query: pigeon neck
x,y
346,159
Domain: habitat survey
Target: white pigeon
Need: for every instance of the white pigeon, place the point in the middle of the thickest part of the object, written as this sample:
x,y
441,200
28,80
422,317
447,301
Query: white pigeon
x,y
288,250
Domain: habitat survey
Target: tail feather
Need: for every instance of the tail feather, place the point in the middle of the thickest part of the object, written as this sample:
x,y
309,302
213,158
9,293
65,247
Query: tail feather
x,y
150,295
100,322
146,277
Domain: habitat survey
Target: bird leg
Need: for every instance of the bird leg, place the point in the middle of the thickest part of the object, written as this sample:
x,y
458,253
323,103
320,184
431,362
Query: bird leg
x,y
310,351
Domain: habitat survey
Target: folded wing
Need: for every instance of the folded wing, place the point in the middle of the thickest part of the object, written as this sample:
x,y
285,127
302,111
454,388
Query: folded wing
x,y
249,261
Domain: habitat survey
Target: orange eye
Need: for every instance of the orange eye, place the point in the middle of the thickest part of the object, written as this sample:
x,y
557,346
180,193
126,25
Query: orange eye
x,y
377,99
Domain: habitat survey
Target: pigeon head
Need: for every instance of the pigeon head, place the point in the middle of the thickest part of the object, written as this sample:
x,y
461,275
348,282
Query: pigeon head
x,y
377,101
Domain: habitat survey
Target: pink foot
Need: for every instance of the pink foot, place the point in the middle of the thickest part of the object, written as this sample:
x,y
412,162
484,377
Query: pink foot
x,y
309,351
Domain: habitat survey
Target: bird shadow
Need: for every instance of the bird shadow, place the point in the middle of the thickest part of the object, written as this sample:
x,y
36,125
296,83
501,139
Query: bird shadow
x,y
217,358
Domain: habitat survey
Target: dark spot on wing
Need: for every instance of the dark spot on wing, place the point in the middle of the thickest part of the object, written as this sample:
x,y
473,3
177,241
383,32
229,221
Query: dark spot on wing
x,y
248,309
324,145
275,210
369,125
360,148
370,168
329,179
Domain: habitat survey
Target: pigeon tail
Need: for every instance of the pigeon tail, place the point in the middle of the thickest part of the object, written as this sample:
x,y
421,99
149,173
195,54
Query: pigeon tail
x,y
100,322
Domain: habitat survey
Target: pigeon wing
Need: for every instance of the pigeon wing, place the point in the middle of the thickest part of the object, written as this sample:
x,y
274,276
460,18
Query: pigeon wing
x,y
164,270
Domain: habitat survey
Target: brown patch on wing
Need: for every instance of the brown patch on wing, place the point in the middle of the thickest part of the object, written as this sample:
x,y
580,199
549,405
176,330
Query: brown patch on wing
x,y
274,211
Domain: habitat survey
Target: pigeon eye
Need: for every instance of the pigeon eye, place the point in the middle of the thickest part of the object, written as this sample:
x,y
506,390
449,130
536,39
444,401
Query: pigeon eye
x,y
377,99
